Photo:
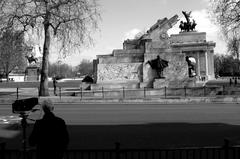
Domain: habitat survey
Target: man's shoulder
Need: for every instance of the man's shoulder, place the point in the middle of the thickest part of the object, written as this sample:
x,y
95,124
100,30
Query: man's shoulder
x,y
59,119
56,118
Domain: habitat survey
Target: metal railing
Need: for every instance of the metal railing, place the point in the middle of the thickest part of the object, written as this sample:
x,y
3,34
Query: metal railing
x,y
126,93
221,152
164,92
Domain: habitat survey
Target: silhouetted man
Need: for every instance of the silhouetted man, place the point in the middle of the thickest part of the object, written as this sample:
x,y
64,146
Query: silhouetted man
x,y
49,134
54,85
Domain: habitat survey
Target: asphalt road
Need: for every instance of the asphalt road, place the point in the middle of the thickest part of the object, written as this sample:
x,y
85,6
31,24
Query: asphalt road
x,y
149,113
105,114
141,125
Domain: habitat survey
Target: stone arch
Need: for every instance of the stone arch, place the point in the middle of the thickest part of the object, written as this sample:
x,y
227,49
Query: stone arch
x,y
192,65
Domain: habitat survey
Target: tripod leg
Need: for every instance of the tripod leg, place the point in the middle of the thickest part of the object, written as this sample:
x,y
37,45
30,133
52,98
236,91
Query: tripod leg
x,y
24,127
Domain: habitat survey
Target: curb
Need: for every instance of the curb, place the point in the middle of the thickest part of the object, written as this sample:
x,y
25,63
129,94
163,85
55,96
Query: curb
x,y
176,100
170,100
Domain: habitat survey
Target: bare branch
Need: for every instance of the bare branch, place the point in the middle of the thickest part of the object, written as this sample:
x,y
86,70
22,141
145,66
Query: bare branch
x,y
70,21
227,15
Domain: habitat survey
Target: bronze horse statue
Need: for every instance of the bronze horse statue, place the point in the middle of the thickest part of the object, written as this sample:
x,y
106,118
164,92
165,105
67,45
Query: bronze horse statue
x,y
31,59
187,26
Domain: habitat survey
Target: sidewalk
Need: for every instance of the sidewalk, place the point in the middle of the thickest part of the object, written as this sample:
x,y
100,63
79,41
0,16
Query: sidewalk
x,y
169,100
33,92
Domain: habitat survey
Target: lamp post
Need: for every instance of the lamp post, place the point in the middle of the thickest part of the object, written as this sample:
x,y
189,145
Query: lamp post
x,y
59,70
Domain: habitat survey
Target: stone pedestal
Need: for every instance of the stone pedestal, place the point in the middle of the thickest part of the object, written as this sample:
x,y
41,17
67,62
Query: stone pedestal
x,y
188,37
112,86
32,73
160,82
187,82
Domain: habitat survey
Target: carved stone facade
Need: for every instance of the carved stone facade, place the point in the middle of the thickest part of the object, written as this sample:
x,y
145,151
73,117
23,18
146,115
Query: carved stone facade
x,y
123,72
129,65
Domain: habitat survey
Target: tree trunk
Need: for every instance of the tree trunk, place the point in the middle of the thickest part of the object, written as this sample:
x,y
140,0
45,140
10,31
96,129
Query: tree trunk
x,y
238,42
7,77
44,73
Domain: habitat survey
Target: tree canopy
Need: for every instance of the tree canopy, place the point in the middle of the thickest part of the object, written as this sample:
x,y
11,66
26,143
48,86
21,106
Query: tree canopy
x,y
226,65
70,21
61,70
12,51
226,13
85,67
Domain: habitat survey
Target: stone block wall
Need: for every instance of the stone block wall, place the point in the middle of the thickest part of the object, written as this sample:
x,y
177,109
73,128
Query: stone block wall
x,y
156,45
126,52
188,37
121,59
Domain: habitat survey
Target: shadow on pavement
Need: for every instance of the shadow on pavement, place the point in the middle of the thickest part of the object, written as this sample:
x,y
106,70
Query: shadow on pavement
x,y
142,136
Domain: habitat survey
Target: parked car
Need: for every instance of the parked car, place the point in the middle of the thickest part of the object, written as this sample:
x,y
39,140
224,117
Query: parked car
x,y
3,80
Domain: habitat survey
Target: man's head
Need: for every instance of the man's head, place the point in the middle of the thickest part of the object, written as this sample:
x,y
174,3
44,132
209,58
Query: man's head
x,y
47,106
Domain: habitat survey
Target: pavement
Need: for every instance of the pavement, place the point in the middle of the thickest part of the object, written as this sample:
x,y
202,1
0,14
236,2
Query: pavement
x,y
9,95
96,126
160,100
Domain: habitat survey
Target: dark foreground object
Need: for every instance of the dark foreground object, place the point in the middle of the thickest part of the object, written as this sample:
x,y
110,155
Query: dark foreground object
x,y
223,152
148,141
162,135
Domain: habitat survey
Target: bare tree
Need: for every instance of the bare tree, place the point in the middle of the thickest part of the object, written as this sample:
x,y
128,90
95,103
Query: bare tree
x,y
60,70
233,46
12,50
70,21
85,67
227,14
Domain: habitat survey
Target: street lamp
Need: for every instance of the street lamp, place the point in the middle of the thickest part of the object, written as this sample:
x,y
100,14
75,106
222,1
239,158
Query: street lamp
x,y
59,63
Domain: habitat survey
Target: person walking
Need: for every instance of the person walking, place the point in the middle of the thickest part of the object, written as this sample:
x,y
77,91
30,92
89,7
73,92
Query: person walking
x,y
49,135
54,85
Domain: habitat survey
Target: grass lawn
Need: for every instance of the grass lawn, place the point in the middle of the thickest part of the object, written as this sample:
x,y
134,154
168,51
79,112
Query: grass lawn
x,y
68,83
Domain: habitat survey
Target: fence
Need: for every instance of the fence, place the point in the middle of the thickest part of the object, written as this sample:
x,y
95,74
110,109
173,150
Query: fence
x,y
124,93
165,92
224,152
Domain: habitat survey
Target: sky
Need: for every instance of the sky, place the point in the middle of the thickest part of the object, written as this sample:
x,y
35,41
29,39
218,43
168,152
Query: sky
x,y
122,19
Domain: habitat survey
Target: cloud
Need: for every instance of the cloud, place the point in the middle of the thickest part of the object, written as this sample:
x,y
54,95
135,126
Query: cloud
x,y
131,34
206,1
204,24
163,1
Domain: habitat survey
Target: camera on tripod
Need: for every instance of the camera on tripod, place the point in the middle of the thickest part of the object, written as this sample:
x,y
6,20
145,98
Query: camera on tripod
x,y
24,105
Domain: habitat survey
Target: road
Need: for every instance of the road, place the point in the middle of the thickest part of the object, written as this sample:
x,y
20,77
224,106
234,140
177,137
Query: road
x,y
140,125
105,114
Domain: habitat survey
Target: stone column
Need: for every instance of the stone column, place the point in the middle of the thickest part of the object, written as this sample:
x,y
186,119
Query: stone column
x,y
211,64
206,64
198,65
